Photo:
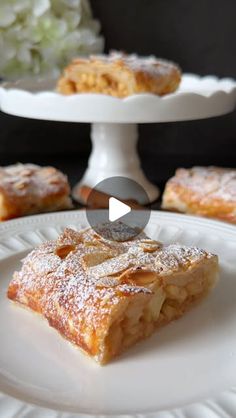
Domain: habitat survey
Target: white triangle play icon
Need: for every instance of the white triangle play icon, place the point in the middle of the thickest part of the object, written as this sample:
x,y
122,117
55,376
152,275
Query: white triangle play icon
x,y
117,209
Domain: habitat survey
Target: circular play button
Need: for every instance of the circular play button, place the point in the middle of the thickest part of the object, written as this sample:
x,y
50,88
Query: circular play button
x,y
115,208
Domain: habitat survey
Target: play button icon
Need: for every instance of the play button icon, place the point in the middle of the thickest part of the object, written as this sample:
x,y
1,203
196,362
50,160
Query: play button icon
x,y
116,208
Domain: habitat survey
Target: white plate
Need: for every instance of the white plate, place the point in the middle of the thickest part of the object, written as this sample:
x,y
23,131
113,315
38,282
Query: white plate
x,y
187,369
197,97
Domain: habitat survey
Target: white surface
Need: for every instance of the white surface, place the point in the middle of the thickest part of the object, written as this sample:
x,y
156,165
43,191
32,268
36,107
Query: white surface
x,y
117,209
187,369
197,97
114,153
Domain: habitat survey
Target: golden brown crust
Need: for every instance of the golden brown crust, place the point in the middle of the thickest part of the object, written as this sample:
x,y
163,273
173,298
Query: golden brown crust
x,y
204,191
27,189
120,75
105,296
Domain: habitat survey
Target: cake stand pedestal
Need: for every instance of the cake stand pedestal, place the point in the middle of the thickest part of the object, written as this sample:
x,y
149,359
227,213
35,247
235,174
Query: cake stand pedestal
x,y
114,121
114,153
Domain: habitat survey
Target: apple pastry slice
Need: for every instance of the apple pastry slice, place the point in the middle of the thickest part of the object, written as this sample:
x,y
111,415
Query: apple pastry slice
x,y
104,296
119,75
203,191
26,189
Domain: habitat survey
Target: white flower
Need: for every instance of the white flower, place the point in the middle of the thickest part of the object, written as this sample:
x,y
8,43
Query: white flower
x,y
7,16
39,37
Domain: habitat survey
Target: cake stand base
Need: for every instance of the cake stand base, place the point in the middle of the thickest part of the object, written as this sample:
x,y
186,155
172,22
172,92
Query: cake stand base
x,y
114,153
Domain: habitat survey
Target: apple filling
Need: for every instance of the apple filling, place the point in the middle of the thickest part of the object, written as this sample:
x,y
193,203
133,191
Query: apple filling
x,y
142,317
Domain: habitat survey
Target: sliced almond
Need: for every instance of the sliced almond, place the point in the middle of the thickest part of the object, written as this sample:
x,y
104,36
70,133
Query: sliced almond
x,y
142,278
64,250
20,185
95,258
150,246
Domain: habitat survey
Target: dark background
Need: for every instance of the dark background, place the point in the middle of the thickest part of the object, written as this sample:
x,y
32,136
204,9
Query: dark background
x,y
200,36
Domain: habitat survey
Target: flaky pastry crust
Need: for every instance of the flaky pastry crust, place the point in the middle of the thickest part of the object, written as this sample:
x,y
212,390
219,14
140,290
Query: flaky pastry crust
x,y
104,296
26,189
204,191
120,75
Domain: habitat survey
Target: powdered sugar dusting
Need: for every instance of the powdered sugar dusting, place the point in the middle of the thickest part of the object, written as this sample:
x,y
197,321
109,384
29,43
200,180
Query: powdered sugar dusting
x,y
209,182
70,283
174,256
28,189
25,179
79,298
154,66
150,64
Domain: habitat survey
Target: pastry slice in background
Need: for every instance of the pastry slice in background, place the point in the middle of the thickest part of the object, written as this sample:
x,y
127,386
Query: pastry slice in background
x,y
120,75
27,189
204,191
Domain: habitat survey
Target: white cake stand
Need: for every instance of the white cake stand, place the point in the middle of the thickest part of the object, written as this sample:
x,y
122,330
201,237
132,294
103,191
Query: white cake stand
x,y
114,121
